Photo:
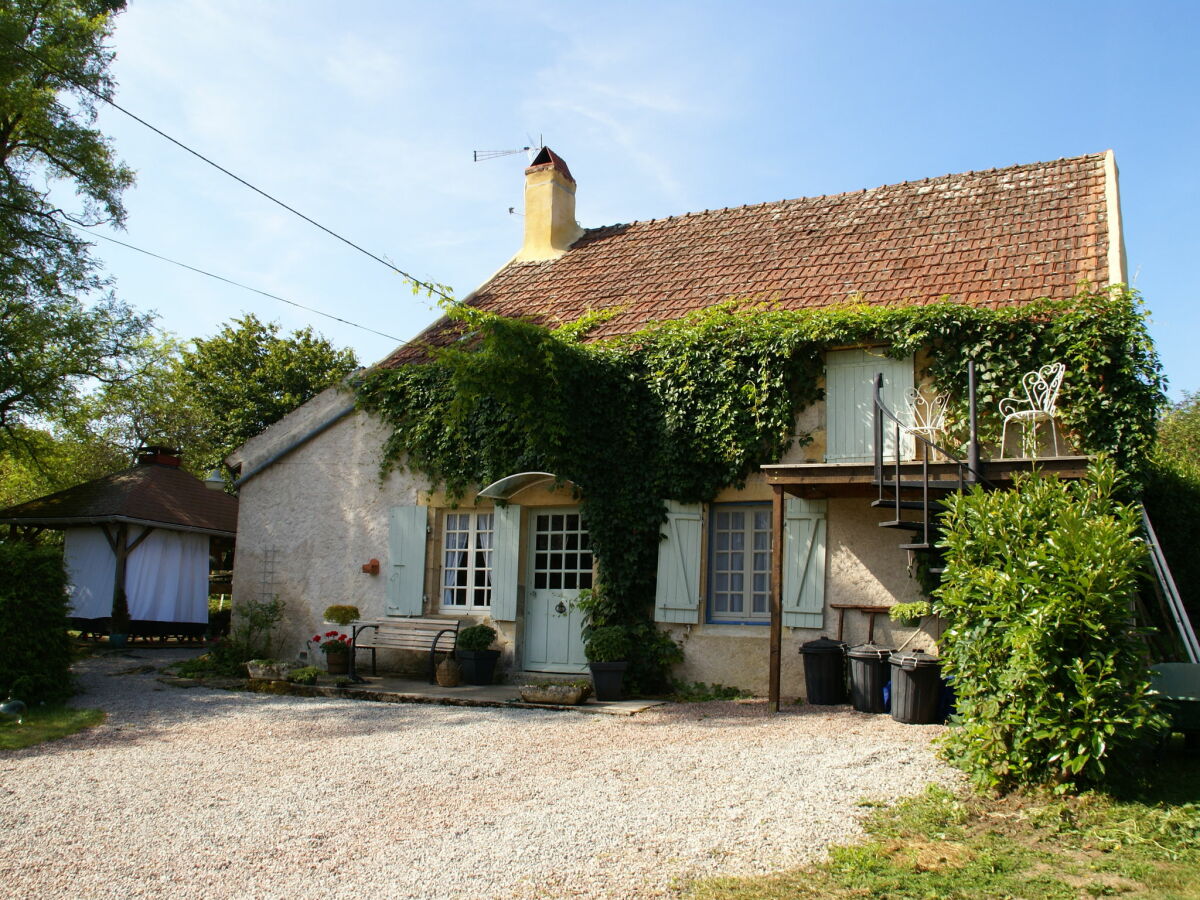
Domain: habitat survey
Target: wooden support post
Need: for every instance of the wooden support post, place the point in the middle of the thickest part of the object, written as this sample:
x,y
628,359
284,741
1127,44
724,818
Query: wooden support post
x,y
776,597
120,605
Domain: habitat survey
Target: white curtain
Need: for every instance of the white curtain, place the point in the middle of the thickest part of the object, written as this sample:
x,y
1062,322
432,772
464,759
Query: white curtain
x,y
91,567
166,577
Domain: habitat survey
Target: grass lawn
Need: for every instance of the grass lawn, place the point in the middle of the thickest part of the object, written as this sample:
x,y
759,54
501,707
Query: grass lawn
x,y
48,724
1027,846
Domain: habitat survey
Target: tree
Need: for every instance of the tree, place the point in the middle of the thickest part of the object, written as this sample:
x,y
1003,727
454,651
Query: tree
x,y
1179,433
247,377
53,67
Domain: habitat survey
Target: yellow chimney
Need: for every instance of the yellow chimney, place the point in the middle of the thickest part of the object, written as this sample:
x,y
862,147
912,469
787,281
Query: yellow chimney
x,y
550,226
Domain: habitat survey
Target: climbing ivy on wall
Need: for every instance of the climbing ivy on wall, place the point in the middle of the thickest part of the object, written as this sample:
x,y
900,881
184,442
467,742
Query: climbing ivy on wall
x,y
682,409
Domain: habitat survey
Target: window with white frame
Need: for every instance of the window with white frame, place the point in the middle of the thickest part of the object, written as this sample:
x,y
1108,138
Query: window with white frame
x,y
739,571
467,561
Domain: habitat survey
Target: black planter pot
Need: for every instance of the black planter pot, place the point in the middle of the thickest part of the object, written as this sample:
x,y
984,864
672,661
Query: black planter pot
x,y
607,678
478,666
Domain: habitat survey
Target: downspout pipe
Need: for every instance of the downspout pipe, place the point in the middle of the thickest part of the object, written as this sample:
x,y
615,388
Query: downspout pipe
x,y
295,444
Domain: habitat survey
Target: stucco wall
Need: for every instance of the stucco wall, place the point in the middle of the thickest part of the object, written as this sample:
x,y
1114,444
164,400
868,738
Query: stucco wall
x,y
308,523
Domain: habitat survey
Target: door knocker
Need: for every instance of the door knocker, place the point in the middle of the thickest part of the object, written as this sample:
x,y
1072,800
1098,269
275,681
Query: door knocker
x,y
561,608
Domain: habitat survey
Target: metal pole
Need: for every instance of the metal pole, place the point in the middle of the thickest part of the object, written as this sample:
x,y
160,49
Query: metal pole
x,y
776,597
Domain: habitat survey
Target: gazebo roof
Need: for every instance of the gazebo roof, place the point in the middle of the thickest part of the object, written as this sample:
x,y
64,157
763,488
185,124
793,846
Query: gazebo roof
x,y
153,493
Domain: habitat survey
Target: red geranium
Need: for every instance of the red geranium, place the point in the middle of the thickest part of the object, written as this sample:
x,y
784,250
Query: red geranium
x,y
333,642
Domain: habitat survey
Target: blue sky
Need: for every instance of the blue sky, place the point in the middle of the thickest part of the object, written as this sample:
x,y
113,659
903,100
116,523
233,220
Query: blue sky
x,y
363,115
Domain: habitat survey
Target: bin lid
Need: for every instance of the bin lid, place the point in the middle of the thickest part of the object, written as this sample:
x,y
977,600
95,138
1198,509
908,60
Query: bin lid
x,y
870,651
914,659
823,645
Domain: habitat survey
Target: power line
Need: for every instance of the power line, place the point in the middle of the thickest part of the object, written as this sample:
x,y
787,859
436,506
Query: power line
x,y
429,286
182,265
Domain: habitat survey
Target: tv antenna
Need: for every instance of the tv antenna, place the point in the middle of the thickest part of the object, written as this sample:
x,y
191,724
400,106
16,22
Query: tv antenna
x,y
481,155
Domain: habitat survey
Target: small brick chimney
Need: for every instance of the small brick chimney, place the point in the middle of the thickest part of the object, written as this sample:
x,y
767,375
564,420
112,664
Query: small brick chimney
x,y
550,226
159,456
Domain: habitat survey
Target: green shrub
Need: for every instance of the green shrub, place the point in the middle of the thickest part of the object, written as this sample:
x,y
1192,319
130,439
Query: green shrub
x,y
253,633
700,692
907,612
35,658
1038,592
607,644
304,675
341,614
476,637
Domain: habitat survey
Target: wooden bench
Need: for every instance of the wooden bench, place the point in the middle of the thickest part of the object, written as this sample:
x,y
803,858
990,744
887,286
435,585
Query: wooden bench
x,y
406,633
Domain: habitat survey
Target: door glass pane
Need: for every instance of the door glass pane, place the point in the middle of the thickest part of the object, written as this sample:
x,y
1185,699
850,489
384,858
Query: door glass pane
x,y
557,570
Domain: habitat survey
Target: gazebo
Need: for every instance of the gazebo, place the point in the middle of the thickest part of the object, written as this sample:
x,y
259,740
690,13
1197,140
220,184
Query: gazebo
x,y
139,539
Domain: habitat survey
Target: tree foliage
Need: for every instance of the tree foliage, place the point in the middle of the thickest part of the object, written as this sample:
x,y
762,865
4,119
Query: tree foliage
x,y
1038,593
1172,495
247,377
58,328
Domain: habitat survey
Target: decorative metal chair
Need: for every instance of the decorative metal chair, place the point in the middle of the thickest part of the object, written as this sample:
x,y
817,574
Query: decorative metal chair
x,y
1040,405
927,413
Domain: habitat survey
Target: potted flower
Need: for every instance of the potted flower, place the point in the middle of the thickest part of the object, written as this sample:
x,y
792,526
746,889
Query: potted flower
x,y
341,614
607,652
471,650
336,647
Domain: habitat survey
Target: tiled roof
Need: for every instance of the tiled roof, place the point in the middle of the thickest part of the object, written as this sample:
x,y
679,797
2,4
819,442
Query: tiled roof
x,y
991,238
165,495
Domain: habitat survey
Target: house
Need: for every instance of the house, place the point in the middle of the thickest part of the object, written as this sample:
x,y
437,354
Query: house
x,y
148,533
316,521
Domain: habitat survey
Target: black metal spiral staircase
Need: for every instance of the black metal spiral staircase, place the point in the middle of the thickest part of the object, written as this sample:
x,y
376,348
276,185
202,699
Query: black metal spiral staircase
x,y
901,489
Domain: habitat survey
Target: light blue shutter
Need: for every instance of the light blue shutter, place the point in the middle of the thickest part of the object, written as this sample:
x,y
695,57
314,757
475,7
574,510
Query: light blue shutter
x,y
804,563
677,597
406,558
506,542
850,403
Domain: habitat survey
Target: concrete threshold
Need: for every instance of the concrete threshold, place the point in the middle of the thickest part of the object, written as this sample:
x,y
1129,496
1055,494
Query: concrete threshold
x,y
392,689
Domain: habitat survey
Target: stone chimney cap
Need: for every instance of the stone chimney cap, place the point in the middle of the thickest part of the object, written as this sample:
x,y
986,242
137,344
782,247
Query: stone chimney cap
x,y
547,157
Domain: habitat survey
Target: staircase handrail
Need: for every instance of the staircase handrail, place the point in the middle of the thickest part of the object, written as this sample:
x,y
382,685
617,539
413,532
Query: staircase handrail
x,y
882,407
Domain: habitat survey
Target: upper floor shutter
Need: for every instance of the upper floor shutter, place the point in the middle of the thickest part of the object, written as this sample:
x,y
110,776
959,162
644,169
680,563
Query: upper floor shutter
x,y
849,403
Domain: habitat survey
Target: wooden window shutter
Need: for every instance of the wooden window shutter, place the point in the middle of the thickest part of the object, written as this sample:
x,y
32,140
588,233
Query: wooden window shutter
x,y
677,597
850,403
406,556
506,544
804,563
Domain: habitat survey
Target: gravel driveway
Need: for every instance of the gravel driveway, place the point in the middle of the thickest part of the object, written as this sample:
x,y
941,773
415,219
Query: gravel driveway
x,y
210,794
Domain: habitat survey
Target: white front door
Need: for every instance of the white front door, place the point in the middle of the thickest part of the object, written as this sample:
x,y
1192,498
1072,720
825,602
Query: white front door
x,y
560,566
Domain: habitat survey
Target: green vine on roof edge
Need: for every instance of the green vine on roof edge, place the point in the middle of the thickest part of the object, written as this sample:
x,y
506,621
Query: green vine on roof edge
x,y
682,409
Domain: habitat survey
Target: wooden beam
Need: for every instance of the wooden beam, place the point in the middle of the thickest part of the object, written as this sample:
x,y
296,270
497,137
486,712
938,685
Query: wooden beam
x,y
776,597
111,538
138,540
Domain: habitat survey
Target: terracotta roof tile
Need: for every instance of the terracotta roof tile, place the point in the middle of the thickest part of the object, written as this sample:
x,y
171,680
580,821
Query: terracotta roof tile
x,y
1001,237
